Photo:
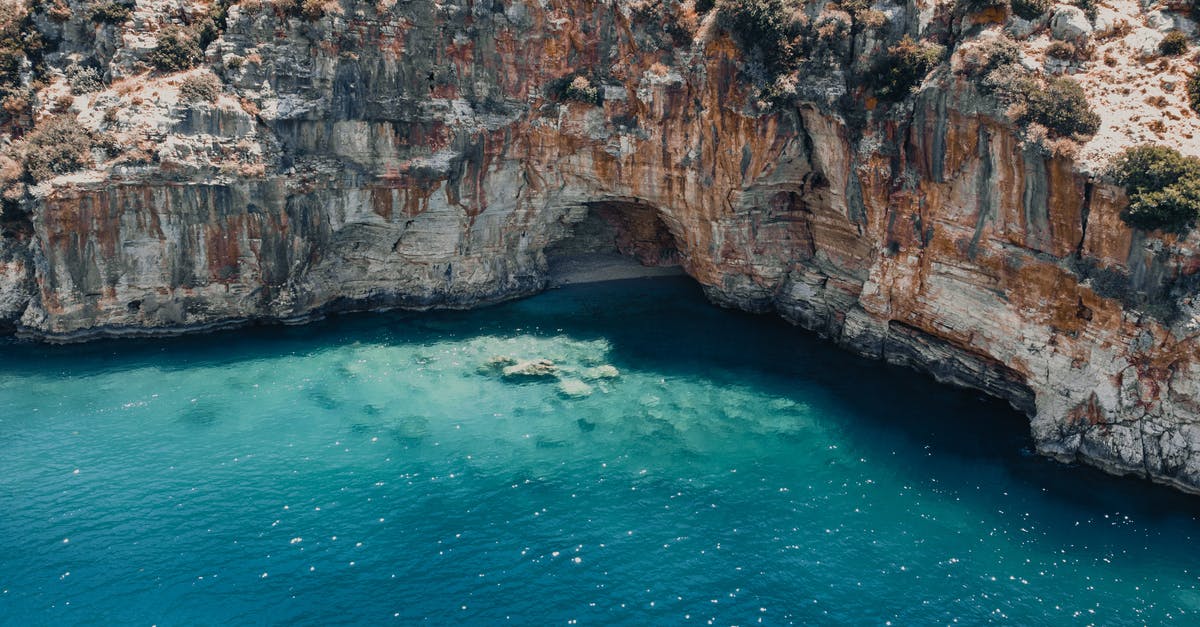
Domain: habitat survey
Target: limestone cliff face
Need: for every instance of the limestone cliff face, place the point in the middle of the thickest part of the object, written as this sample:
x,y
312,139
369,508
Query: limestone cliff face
x,y
410,154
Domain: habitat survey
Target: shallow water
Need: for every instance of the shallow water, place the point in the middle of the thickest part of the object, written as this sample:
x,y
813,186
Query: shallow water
x,y
377,467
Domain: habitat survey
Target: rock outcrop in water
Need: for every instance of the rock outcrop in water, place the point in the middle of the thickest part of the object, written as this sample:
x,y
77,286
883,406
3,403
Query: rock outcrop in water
x,y
424,154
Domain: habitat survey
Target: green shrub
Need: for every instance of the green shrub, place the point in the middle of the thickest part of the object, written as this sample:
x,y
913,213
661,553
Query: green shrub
x,y
200,88
1163,187
109,13
762,29
1193,90
1062,107
1031,9
1170,209
1174,43
1150,167
83,79
704,6
58,146
177,49
904,66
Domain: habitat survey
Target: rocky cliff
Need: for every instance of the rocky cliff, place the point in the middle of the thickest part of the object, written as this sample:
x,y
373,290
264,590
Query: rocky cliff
x,y
413,153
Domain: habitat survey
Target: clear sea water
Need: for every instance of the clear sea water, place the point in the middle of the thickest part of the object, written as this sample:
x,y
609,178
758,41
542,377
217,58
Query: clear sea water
x,y
378,468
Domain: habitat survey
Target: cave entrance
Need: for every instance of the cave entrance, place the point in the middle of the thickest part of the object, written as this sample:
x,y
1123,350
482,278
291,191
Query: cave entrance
x,y
614,240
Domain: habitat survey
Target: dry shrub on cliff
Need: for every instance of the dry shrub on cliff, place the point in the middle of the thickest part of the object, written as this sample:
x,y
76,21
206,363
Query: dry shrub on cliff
x,y
58,146
902,69
871,19
202,87
983,58
59,12
1163,187
863,16
577,87
1061,50
313,10
20,51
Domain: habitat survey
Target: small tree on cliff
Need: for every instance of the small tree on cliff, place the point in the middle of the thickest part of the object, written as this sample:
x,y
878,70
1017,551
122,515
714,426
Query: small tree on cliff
x,y
1163,187
903,68
177,49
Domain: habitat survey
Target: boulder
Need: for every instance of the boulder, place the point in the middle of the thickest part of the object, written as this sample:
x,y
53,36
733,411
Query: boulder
x,y
1143,42
1070,24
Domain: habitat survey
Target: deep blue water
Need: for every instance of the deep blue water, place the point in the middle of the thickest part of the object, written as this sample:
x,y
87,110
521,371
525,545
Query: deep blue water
x,y
377,467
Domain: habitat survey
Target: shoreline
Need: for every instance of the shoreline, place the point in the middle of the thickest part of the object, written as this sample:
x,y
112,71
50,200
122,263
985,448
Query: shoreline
x,y
601,267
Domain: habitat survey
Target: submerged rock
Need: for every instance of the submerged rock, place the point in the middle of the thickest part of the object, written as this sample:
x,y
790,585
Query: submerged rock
x,y
495,364
574,388
533,368
601,372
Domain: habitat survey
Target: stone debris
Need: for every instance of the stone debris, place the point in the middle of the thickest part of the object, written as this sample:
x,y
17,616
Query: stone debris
x,y
601,372
533,368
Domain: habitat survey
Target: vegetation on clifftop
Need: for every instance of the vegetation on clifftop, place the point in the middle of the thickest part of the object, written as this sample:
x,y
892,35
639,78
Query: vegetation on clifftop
x,y
1057,104
1163,187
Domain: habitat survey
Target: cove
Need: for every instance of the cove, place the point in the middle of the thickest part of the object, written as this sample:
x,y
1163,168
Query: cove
x,y
381,467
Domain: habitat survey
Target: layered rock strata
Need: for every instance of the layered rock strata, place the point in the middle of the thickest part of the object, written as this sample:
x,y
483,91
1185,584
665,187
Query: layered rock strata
x,y
417,154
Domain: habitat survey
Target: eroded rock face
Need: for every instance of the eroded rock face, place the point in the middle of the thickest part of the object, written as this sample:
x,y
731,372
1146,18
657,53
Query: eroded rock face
x,y
414,158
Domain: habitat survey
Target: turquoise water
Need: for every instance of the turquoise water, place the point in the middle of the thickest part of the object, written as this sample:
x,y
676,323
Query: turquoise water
x,y
376,468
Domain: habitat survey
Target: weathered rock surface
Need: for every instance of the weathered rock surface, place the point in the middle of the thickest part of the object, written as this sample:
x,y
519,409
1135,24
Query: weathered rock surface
x,y
1069,23
408,155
